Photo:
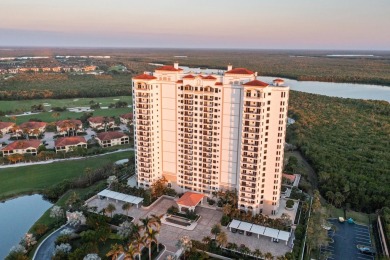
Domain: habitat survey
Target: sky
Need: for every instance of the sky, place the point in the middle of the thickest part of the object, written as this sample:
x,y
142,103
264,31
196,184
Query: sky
x,y
254,24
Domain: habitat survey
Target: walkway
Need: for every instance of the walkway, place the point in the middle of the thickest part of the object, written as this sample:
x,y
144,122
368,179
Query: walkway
x,y
46,248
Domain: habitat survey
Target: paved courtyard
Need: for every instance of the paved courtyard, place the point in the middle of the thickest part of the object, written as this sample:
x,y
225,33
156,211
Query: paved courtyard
x,y
169,235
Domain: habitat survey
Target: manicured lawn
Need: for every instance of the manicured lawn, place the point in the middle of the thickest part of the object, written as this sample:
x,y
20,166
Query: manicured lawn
x,y
25,105
359,217
48,116
34,178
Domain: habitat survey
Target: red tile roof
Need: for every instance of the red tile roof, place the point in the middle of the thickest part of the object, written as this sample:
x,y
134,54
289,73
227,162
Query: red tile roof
x,y
72,140
23,144
190,199
179,81
168,68
145,76
218,83
127,116
278,80
289,177
6,124
109,135
256,83
63,123
33,125
239,71
189,76
209,77
99,119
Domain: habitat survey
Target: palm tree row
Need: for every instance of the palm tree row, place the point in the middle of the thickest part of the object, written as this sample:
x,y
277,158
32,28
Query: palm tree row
x,y
143,234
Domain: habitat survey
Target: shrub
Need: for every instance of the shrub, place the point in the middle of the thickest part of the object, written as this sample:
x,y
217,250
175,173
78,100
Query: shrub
x,y
290,204
211,201
225,220
172,210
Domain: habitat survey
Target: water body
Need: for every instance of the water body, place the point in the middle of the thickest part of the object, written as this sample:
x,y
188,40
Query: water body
x,y
16,218
343,90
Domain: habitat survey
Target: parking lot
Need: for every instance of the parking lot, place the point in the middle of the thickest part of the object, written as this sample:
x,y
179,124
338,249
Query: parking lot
x,y
346,238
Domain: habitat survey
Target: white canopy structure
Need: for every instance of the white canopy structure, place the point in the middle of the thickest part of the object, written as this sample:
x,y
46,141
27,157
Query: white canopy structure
x,y
260,230
120,197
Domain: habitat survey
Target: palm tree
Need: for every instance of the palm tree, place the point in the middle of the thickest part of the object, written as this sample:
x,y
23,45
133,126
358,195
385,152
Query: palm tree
x,y
110,208
215,230
257,253
116,251
147,222
268,256
156,221
36,132
130,252
206,240
222,239
139,243
151,236
126,206
135,232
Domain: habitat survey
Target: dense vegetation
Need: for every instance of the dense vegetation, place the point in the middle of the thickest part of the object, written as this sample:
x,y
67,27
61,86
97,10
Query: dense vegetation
x,y
43,86
347,143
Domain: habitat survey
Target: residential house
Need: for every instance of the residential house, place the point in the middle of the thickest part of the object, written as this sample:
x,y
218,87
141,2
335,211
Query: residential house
x,y
107,139
13,71
77,69
126,118
89,68
33,128
46,69
56,69
22,147
70,127
102,123
66,144
66,69
6,127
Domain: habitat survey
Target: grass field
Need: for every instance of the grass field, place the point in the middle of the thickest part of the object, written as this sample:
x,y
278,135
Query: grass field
x,y
359,217
28,179
48,116
25,105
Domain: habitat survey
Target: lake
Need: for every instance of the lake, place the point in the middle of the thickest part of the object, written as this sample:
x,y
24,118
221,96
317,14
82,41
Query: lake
x,y
344,90
16,218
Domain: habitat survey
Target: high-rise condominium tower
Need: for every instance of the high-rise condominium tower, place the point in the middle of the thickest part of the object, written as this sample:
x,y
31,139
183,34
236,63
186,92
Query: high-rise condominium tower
x,y
205,133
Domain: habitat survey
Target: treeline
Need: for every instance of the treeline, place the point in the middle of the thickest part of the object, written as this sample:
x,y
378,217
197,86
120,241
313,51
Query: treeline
x,y
347,143
44,86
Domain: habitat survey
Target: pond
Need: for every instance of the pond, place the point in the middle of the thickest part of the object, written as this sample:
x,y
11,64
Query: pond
x,y
344,90
16,218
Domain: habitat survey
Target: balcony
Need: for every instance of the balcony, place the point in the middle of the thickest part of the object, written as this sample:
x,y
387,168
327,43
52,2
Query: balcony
x,y
142,100
188,96
248,185
252,117
207,155
143,122
143,144
207,166
208,104
144,160
188,157
187,162
142,106
252,143
249,167
252,104
251,130
188,108
190,147
143,133
207,138
207,150
207,116
188,114
252,124
188,136
144,155
142,117
205,133
189,102
187,152
188,119
209,122
252,111
143,128
143,112
208,110
252,137
189,125
141,95
207,127
187,141
144,149
208,98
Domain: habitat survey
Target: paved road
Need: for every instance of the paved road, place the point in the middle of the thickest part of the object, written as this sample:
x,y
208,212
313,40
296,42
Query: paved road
x,y
46,249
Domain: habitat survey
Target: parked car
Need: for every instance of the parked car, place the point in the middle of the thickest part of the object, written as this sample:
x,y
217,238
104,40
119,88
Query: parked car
x,y
234,230
367,250
275,240
241,231
249,234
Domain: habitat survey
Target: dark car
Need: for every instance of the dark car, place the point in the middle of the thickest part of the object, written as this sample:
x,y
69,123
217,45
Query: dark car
x,y
234,230
240,231
366,250
248,234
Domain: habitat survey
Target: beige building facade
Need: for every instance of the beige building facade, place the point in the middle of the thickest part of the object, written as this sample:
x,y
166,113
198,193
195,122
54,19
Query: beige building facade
x,y
205,133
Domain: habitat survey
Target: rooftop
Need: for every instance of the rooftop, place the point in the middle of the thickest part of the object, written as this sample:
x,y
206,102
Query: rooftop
x,y
169,68
100,119
33,125
23,144
190,199
256,83
73,140
103,136
145,76
240,71
6,124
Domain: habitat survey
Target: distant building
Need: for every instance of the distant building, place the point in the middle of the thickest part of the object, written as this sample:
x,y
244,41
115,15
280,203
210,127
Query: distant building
x,y
102,123
5,127
71,126
13,71
22,147
107,139
206,133
126,118
89,68
66,144
56,69
33,128
46,69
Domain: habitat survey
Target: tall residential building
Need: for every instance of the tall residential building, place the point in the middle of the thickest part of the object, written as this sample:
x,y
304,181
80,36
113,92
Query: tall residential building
x,y
210,132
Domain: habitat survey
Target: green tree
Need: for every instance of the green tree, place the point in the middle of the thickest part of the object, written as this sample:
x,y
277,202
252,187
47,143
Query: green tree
x,y
110,209
126,207
215,230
